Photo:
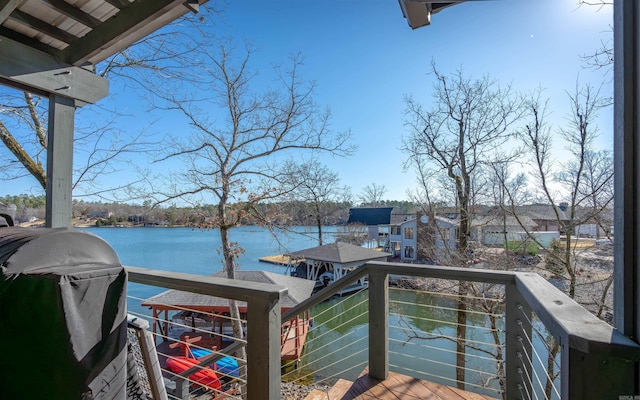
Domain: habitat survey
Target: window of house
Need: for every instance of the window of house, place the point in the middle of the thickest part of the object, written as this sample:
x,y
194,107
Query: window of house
x,y
408,232
395,230
408,251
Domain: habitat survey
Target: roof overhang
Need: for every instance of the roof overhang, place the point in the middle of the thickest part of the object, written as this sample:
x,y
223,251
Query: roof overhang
x,y
418,12
51,46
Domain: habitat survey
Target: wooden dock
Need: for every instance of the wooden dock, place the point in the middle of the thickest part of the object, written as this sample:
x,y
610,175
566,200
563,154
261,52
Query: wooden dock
x,y
396,386
278,259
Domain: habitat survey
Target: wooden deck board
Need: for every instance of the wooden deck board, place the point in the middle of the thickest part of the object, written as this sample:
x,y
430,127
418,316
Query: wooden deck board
x,y
399,387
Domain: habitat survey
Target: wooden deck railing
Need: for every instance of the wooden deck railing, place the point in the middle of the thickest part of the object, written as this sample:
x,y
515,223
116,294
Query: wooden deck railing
x,y
596,361
263,319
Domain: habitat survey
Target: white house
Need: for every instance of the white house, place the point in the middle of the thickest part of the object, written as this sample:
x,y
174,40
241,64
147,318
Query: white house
x,y
416,239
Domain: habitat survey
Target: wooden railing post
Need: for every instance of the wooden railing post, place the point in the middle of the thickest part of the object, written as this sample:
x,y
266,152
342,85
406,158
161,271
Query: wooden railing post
x,y
378,323
518,350
263,348
592,351
585,371
182,389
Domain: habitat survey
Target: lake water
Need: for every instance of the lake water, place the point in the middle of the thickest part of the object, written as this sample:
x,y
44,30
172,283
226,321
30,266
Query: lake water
x,y
196,251
418,334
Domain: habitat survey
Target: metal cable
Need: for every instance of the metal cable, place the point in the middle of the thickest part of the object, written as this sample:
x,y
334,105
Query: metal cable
x,y
397,367
446,364
454,339
442,294
443,350
446,308
450,323
535,352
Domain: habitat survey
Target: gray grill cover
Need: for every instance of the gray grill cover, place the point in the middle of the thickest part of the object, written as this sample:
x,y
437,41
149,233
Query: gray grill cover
x,y
62,316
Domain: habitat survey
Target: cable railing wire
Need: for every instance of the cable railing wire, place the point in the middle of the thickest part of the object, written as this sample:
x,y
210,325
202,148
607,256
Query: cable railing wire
x,y
187,327
455,339
344,300
478,327
333,342
452,380
533,372
227,381
191,381
434,348
180,308
335,311
442,308
351,355
453,295
537,356
446,364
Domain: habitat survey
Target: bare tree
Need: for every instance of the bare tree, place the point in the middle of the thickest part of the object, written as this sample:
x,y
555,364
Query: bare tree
x,y
101,147
316,188
371,195
238,133
602,57
585,180
582,181
596,189
467,121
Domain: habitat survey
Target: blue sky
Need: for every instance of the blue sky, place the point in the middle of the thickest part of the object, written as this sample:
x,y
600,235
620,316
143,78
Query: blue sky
x,y
365,59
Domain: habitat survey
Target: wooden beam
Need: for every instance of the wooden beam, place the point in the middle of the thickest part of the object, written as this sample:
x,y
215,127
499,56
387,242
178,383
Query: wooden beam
x,y
59,162
518,348
626,149
31,68
27,41
217,287
129,25
41,26
119,4
7,7
73,12
379,324
263,349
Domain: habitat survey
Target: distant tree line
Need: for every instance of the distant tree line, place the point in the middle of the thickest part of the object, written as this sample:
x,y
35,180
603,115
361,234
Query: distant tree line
x,y
285,213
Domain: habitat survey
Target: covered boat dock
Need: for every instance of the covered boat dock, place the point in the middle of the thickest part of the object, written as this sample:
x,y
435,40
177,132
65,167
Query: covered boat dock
x,y
326,264
210,313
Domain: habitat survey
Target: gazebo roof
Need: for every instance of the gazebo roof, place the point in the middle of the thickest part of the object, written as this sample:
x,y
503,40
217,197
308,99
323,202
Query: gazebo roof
x,y
298,290
339,252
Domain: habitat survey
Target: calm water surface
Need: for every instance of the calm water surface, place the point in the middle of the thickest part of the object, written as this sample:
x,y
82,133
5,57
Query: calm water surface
x,y
197,251
415,330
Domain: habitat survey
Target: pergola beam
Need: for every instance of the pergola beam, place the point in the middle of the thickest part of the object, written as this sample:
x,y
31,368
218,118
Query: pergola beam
x,y
31,68
7,7
142,16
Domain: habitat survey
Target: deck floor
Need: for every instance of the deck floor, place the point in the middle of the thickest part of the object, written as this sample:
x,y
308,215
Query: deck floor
x,y
398,386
